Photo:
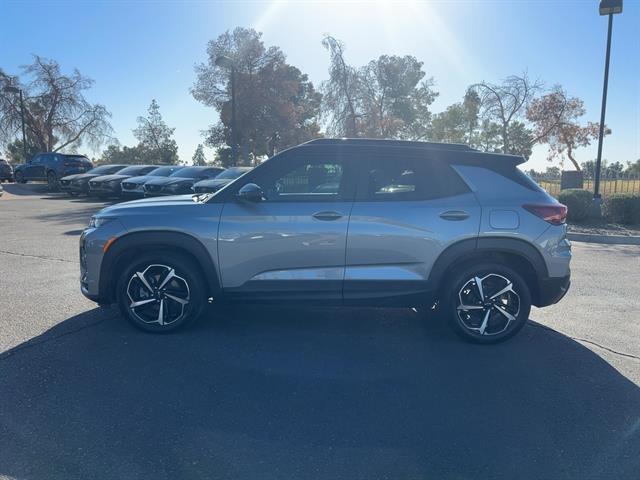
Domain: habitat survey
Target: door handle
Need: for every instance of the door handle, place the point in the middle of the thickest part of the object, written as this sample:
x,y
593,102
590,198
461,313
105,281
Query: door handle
x,y
327,216
454,215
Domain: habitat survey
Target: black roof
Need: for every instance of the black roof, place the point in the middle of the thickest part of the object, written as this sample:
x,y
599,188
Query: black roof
x,y
451,152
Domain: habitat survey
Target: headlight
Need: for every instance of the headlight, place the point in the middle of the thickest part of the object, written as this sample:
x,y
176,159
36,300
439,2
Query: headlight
x,y
177,186
97,222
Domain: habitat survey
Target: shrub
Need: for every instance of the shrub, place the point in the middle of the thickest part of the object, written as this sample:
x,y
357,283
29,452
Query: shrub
x,y
578,202
622,208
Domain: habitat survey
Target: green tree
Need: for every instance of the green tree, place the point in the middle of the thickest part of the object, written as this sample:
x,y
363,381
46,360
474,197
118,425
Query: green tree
x,y
272,97
450,126
395,98
15,152
156,138
57,115
198,157
633,168
125,155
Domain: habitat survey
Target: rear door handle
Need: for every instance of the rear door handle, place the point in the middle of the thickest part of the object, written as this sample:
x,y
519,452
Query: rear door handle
x,y
327,216
454,215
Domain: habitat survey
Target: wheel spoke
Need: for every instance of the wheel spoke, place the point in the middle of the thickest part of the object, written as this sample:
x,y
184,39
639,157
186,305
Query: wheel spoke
x,y
470,307
142,302
144,281
508,288
182,301
170,275
160,319
478,282
485,321
510,317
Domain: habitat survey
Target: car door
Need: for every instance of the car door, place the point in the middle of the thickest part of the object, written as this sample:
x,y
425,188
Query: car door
x,y
292,243
407,211
34,168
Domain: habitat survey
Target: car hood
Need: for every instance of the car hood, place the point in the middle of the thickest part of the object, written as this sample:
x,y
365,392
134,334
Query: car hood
x,y
169,180
142,179
82,176
108,178
74,177
148,203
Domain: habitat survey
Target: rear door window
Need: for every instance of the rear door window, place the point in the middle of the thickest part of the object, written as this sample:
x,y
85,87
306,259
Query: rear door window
x,y
398,179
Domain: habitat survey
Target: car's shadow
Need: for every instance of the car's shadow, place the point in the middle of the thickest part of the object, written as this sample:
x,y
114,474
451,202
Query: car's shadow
x,y
256,392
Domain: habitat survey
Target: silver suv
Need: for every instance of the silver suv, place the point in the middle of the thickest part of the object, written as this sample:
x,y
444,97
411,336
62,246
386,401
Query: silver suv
x,y
347,222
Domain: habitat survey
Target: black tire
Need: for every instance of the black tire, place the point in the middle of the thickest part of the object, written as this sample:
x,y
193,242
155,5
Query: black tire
x,y
20,177
154,267
52,182
490,320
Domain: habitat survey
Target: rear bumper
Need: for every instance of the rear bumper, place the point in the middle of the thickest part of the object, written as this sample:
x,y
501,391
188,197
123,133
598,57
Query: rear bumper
x,y
552,289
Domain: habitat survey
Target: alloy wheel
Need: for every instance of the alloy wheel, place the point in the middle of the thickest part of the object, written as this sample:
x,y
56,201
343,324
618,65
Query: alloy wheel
x,y
488,305
157,295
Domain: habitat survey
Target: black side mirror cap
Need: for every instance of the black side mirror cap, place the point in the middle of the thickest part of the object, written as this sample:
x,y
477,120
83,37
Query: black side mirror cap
x,y
251,193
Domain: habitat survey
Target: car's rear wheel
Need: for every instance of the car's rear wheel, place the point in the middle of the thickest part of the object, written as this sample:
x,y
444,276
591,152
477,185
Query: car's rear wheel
x,y
161,292
20,177
52,182
487,303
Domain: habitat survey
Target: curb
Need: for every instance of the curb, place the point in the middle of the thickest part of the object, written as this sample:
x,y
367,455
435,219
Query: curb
x,y
607,239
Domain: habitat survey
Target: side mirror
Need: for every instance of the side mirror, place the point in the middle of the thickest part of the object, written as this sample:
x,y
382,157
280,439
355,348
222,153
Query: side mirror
x,y
251,193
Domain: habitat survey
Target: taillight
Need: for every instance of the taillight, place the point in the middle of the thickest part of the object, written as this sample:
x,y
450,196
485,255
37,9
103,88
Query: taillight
x,y
556,213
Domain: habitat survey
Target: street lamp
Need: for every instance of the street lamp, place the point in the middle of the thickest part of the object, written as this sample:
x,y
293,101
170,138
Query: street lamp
x,y
226,62
10,89
607,7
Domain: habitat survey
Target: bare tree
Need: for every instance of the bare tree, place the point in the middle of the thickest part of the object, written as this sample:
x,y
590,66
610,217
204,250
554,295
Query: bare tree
x,y
57,115
341,92
506,102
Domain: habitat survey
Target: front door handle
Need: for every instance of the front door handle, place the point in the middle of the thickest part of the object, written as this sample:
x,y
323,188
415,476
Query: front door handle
x,y
327,216
454,215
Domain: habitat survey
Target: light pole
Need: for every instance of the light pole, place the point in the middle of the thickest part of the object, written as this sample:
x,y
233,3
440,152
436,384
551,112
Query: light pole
x,y
10,89
607,7
226,62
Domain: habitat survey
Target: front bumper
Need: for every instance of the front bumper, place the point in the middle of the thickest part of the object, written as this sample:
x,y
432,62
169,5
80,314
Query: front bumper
x,y
104,190
552,290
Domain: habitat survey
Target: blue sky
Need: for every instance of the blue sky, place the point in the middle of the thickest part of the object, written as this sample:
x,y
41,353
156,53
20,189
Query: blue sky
x,y
136,51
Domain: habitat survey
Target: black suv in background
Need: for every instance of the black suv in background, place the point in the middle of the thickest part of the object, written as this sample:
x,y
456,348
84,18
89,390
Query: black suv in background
x,y
6,171
51,167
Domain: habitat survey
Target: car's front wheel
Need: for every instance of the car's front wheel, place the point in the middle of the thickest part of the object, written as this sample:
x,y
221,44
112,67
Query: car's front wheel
x,y
20,177
487,303
160,292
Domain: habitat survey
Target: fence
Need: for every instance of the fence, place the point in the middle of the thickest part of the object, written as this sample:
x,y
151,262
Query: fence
x,y
609,183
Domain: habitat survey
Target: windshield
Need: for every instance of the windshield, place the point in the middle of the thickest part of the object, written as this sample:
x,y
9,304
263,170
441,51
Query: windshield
x,y
188,172
165,171
106,169
231,173
134,170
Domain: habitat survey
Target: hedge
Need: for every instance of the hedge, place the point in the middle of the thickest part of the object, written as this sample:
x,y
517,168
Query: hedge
x,y
622,208
578,201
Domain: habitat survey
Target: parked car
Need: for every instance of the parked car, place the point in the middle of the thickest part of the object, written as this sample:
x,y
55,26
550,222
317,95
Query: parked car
x,y
180,182
1,189
6,171
51,167
78,184
404,224
224,178
111,185
134,186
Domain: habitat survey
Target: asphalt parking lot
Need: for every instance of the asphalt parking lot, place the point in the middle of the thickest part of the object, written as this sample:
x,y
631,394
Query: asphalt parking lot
x,y
255,392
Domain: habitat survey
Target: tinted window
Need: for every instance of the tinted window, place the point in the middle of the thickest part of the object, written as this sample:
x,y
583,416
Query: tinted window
x,y
409,179
188,172
210,172
165,171
232,173
303,181
136,170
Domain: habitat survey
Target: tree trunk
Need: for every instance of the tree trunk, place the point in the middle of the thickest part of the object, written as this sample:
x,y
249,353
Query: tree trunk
x,y
573,160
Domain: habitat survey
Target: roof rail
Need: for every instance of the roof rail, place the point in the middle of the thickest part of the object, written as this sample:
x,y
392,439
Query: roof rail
x,y
391,143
